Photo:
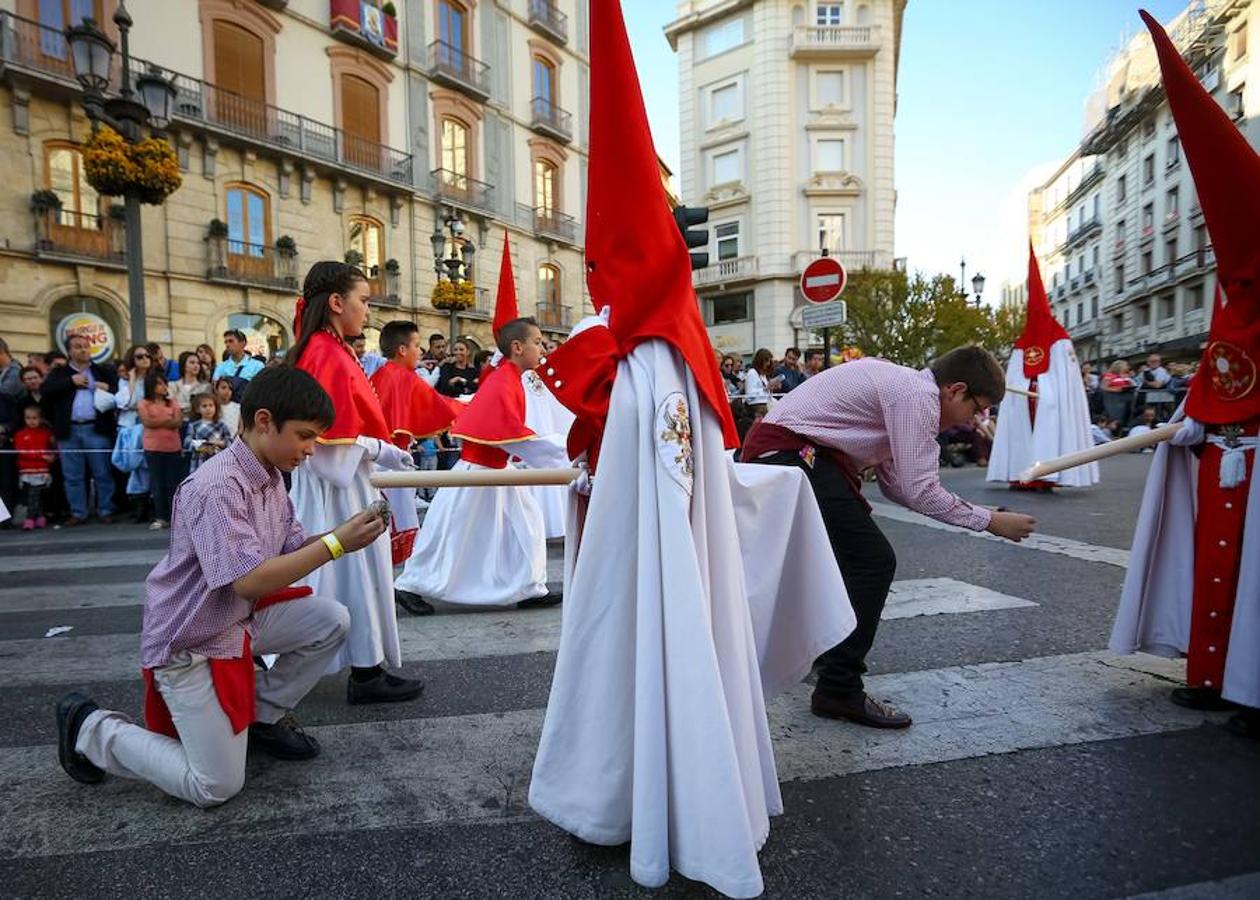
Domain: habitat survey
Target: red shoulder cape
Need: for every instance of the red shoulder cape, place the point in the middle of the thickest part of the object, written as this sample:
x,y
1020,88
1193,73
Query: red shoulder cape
x,y
496,414
412,409
358,411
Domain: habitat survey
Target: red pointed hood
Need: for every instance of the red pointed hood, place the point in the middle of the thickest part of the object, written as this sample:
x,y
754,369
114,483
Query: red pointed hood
x,y
1041,329
1226,174
505,309
637,262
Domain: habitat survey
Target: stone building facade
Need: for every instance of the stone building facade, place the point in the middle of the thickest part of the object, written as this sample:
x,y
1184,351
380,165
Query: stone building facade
x,y
311,129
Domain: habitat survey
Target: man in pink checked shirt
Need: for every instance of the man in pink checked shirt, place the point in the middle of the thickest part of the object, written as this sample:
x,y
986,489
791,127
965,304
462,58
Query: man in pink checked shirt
x,y
872,413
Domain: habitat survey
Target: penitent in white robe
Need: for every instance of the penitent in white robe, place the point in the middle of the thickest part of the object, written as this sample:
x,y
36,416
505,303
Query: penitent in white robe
x,y
656,729
1063,423
484,546
545,415
327,489
1155,605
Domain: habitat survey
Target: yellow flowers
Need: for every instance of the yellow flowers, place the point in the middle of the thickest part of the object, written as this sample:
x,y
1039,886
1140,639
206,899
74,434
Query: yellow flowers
x,y
113,166
453,296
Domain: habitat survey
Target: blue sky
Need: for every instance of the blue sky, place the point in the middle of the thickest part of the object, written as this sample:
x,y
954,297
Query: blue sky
x,y
989,92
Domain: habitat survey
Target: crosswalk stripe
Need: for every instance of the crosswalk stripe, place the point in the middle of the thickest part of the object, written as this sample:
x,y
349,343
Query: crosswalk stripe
x,y
61,562
1240,887
476,767
1046,543
71,659
71,596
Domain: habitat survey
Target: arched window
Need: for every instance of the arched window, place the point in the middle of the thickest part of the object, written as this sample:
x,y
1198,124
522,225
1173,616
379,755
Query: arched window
x,y
240,76
544,82
454,153
63,175
366,237
545,183
453,30
549,296
249,229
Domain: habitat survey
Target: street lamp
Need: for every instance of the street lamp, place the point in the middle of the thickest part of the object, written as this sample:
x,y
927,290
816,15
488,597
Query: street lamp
x,y
457,265
92,53
977,285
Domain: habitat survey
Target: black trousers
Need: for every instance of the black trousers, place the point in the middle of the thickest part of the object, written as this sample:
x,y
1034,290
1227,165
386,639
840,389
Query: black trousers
x,y
867,564
166,471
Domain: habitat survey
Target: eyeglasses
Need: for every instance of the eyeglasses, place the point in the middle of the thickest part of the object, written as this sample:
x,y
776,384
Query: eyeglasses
x,y
141,356
976,404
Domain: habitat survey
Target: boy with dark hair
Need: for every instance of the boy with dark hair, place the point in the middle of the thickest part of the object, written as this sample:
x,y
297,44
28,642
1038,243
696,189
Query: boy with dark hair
x,y
488,545
413,411
216,599
871,413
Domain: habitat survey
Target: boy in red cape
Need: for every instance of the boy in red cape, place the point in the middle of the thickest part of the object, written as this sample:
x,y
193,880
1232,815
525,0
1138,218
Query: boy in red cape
x,y
486,546
1192,585
413,411
235,545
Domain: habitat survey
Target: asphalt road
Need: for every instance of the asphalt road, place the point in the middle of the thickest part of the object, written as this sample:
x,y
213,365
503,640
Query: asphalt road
x,y
1039,764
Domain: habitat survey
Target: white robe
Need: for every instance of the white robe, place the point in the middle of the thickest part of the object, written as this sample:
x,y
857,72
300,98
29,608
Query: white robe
x,y
1155,605
656,729
329,488
545,415
483,546
1063,422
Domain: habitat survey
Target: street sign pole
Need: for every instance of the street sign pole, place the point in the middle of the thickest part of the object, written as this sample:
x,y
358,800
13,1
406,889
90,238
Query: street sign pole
x,y
826,348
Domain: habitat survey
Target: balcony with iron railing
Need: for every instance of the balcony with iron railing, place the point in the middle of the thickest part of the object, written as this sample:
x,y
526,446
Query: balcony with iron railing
x,y
240,262
834,41
462,190
458,69
42,51
553,224
548,119
1089,178
852,260
726,271
545,17
80,237
553,316
1085,230
384,287
364,25
483,305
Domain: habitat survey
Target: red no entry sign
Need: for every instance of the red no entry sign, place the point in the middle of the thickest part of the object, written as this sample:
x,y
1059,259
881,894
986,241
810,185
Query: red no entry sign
x,y
823,280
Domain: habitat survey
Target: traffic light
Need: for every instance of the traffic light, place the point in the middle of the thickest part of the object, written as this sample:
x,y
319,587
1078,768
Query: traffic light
x,y
686,217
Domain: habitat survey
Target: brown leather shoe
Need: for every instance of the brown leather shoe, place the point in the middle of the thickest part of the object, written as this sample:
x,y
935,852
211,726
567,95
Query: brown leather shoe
x,y
72,522
860,708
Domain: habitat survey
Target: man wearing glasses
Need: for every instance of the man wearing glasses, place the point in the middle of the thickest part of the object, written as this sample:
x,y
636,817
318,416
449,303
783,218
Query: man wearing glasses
x,y
874,414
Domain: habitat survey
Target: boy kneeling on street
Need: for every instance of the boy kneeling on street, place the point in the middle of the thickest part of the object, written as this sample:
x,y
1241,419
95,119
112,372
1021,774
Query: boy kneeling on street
x,y
220,596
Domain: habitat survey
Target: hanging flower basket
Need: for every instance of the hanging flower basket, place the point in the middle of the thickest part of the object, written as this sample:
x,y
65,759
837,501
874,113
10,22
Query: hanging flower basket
x,y
448,296
113,167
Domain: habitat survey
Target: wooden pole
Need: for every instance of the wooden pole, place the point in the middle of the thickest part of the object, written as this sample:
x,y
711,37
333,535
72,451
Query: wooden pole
x,y
1021,391
413,478
1102,451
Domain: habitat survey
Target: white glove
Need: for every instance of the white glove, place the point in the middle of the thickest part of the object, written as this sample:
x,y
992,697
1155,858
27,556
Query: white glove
x,y
1191,434
599,320
584,481
392,458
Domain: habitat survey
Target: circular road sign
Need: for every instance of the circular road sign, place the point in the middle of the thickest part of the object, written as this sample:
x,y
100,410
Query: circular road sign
x,y
823,280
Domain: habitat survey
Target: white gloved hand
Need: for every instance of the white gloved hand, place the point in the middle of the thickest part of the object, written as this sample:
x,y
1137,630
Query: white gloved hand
x,y
584,481
394,459
1190,435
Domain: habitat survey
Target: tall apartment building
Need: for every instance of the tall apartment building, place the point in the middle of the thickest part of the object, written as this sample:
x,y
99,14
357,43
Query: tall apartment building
x,y
343,125
1125,253
787,112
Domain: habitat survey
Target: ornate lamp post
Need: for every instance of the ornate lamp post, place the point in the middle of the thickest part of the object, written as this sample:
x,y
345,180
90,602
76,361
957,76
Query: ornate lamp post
x,y
93,53
977,285
455,266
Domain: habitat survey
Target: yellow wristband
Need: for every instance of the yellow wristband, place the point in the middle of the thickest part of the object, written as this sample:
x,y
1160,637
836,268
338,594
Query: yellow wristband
x,y
333,545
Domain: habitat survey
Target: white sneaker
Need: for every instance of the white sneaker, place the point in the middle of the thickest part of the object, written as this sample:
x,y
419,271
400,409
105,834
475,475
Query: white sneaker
x,y
157,525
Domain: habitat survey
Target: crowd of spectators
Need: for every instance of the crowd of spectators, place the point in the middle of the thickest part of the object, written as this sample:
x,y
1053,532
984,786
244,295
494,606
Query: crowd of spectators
x,y
80,437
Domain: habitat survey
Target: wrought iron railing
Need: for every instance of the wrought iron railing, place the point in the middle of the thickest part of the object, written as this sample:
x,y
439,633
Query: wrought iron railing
x,y
233,260
460,189
555,224
550,118
545,16
554,315
457,66
80,235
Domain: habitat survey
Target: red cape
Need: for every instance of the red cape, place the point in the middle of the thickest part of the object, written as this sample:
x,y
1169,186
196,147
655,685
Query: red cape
x,y
1041,329
496,414
358,411
412,409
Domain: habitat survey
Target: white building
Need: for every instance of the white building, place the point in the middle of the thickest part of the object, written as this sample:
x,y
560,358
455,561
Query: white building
x,y
786,114
1118,231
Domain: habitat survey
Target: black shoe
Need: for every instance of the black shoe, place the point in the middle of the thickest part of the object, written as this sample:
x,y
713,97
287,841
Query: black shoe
x,y
384,688
283,740
1245,723
72,709
859,708
1204,699
552,598
413,603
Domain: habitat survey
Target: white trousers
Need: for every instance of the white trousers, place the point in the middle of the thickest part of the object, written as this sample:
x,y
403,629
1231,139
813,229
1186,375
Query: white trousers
x,y
206,766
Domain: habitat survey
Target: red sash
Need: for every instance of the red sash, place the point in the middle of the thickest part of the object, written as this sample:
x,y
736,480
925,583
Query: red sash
x,y
233,680
763,439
